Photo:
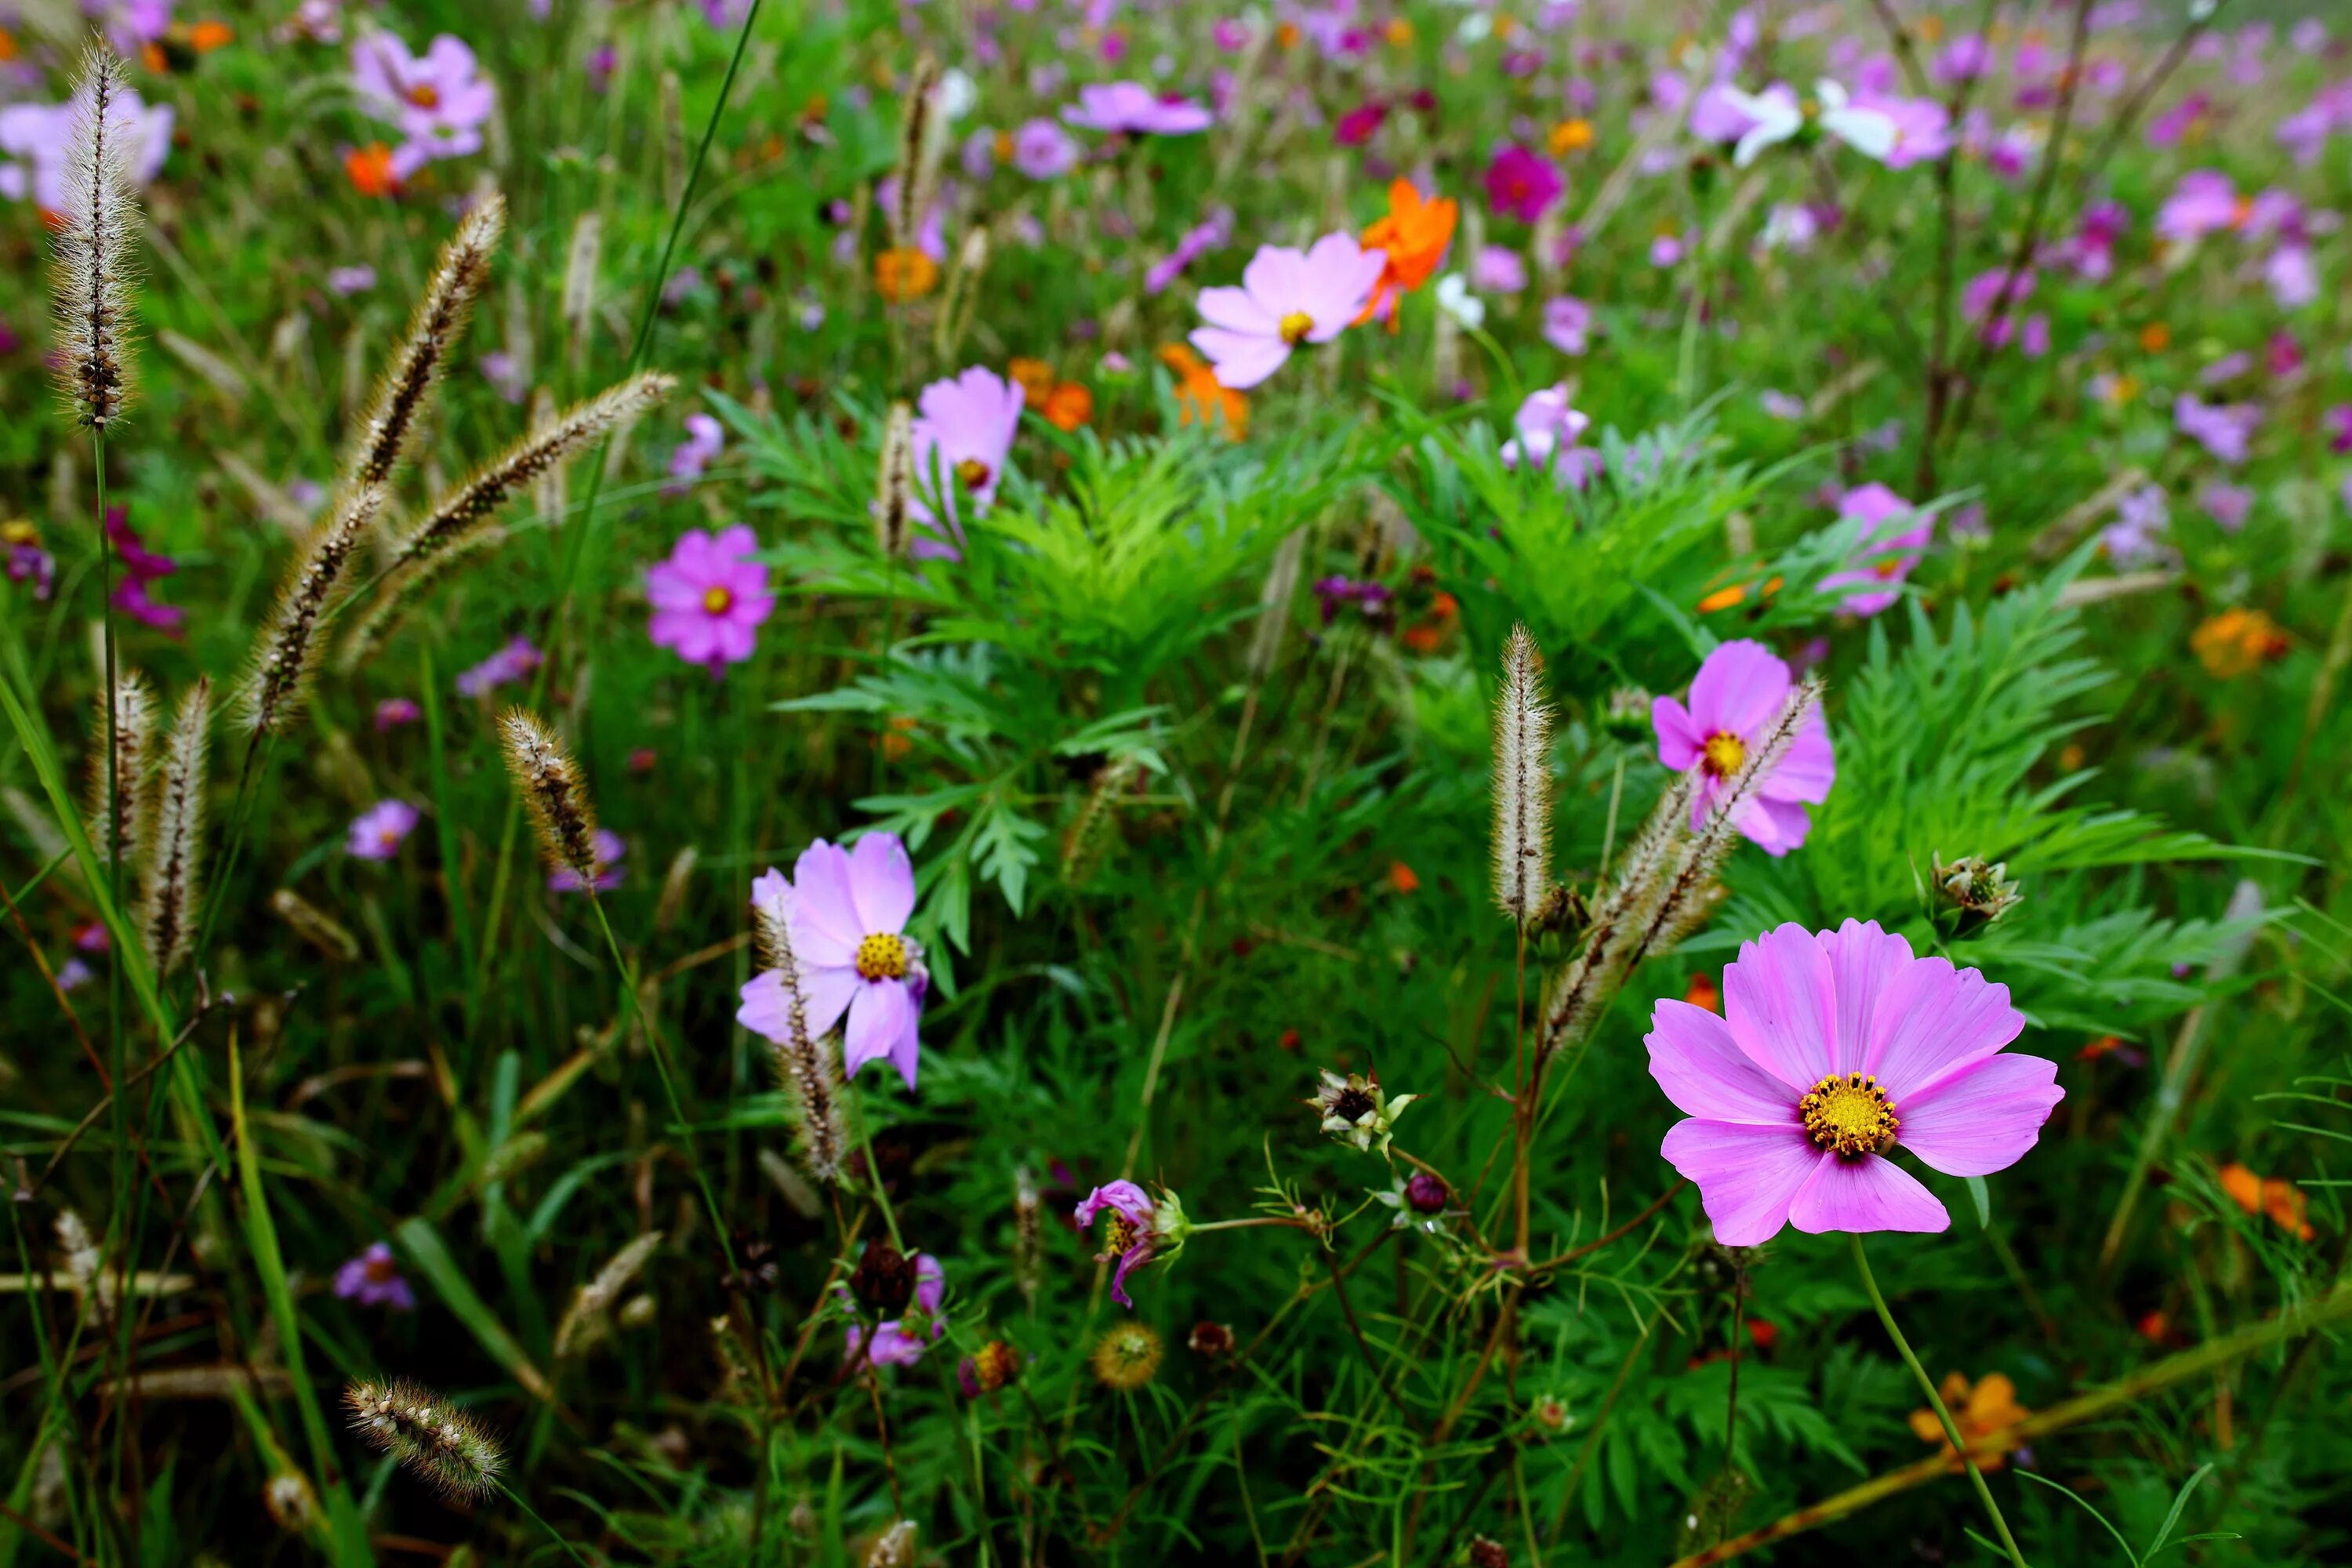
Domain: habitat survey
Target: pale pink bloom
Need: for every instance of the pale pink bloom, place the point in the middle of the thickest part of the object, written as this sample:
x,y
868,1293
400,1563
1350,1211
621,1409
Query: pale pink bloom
x,y
1131,106
962,436
1886,553
846,910
1287,297
378,832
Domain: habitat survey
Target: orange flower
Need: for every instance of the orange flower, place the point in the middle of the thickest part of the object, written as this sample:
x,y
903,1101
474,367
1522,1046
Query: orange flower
x,y
1979,1411
1428,633
2156,337
206,37
1400,32
1702,992
7,45
1402,878
2236,641
1414,236
1068,406
904,274
2281,1200
1723,598
1034,377
370,168
1200,395
1570,136
2155,1328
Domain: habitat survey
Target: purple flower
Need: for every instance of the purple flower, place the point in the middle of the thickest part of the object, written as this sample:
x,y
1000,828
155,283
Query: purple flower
x,y
2166,129
704,440
1547,430
140,567
610,848
373,1280
73,974
1886,551
1356,127
1997,289
962,435
1042,150
1371,598
1739,690
710,597
1287,297
2227,504
1131,106
2294,282
394,711
28,562
1965,58
1212,232
2205,201
349,280
2224,429
2338,422
901,1341
1520,184
1923,128
1497,269
847,911
379,831
2132,539
1568,324
1716,116
1140,1231
1835,1047
504,667
38,134
437,99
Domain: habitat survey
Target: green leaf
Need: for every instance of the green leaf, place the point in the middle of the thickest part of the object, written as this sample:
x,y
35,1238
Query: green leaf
x,y
1981,1196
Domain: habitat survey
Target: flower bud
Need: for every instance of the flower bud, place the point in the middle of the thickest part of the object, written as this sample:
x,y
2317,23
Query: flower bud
x,y
884,1279
1427,1193
1969,895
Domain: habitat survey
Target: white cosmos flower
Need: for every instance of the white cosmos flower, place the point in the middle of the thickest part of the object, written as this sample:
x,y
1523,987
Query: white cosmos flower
x,y
1777,116
1454,298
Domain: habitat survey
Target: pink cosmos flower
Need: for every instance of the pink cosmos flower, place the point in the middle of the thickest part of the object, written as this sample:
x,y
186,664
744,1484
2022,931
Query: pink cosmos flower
x,y
1738,690
394,711
2337,421
438,99
962,435
2224,429
1287,297
901,1341
1833,1048
609,850
34,139
1131,106
504,667
2205,201
1923,128
1886,551
373,1280
710,597
1547,430
1520,184
1568,324
378,832
847,911
1212,232
1142,1230
1042,150
1715,114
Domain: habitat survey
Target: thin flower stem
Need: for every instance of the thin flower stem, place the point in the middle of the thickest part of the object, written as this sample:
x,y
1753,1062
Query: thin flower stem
x,y
873,1169
117,1041
1927,1386
529,1512
1245,1223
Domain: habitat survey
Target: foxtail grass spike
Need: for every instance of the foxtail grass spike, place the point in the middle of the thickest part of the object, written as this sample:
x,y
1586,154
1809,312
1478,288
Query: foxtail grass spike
x,y
125,816
590,1314
455,514
287,655
554,792
1522,780
894,483
807,1064
919,144
431,1438
401,396
168,902
92,270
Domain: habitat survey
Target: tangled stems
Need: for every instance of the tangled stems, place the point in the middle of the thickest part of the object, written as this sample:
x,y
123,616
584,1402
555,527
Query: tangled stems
x,y
1927,1386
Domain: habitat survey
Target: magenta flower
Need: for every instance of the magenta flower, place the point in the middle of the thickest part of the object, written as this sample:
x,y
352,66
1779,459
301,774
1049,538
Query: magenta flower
x,y
610,848
437,99
710,597
2224,429
1140,1229
373,1280
1547,430
1568,324
141,566
504,667
2205,201
901,1341
1923,128
847,911
1287,297
379,831
962,435
1042,150
1215,230
1131,106
1739,690
2338,422
394,711
1520,184
1886,551
1833,1048
704,440
1355,128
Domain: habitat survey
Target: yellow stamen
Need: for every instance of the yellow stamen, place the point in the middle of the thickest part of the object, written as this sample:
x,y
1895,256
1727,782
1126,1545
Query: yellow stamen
x,y
971,473
882,956
718,601
1723,754
1295,326
1850,1115
425,95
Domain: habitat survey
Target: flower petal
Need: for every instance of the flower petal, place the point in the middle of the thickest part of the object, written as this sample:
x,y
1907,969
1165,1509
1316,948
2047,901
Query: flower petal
x,y
1241,361
1234,309
1870,1194
1983,1118
820,878
1705,1072
882,883
826,995
1741,684
1746,1175
881,1014
1679,740
1865,963
1122,1197
1782,1005
1934,1020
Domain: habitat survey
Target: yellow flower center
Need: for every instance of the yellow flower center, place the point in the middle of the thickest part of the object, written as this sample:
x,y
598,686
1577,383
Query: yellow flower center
x,y
1295,326
1723,754
1850,1115
971,473
1118,1235
425,95
882,956
718,601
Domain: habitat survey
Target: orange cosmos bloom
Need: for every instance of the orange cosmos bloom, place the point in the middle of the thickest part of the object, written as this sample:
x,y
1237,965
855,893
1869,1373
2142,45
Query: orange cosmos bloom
x,y
1068,406
370,168
2236,641
1704,992
2280,1199
1402,878
1034,377
1979,1411
1570,136
1413,237
206,37
904,273
1200,395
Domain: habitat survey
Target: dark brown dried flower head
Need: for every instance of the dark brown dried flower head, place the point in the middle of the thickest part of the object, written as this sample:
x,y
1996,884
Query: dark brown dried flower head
x,y
884,1279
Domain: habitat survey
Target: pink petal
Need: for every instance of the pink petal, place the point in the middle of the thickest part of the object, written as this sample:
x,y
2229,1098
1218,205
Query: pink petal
x,y
1937,1019
1807,769
1864,964
1984,1118
1235,310
880,1016
820,878
1122,1197
882,881
1705,1072
1240,361
1678,739
1775,826
826,995
1782,1005
1275,277
1746,1175
1870,1194
1741,686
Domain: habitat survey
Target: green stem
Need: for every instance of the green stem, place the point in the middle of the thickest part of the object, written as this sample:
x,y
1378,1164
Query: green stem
x,y
873,1169
515,1498
1927,1386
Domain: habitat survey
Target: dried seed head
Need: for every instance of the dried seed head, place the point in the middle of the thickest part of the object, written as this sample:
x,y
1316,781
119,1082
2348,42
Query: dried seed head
x,y
808,1064
894,1548
884,1280
580,280
922,137
290,1501
1028,1213
439,1444
551,787
314,925
590,1314
1091,830
286,656
1127,1357
1522,781
91,271
456,513
85,1267
118,796
401,396
894,484
167,906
